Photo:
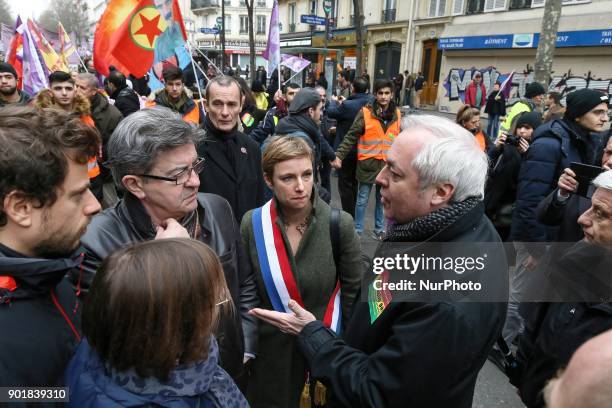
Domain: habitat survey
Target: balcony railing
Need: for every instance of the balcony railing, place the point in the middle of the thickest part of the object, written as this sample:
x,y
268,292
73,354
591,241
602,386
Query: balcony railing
x,y
202,4
388,16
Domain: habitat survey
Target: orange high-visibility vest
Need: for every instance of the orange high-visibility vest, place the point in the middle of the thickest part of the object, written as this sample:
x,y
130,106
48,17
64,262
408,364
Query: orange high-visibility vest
x,y
480,139
93,170
193,116
375,142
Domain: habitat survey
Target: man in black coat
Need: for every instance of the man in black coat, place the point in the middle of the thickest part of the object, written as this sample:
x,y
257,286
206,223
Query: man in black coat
x,y
232,167
581,278
46,206
426,352
126,100
345,111
157,169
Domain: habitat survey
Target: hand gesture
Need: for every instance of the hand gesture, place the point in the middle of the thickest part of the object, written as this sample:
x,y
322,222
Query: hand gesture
x,y
567,182
170,228
337,163
501,139
523,146
287,323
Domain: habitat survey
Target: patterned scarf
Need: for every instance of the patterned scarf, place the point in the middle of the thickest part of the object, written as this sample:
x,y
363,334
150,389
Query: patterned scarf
x,y
204,379
425,227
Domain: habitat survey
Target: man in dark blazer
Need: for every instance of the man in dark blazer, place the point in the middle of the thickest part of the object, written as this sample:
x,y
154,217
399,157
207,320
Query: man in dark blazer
x,y
232,167
416,347
344,111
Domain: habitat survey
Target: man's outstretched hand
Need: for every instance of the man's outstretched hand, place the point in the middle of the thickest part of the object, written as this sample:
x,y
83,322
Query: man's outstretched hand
x,y
287,323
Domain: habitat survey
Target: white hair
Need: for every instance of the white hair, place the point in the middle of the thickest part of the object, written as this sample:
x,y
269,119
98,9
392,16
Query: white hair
x,y
604,180
453,157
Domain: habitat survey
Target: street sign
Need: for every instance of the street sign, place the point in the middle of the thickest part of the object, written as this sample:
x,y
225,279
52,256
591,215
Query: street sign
x,y
327,6
219,20
313,20
206,30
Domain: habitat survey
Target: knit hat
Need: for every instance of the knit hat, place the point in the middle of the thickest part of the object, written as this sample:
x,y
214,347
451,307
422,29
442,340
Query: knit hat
x,y
257,86
306,98
581,101
534,89
533,119
6,67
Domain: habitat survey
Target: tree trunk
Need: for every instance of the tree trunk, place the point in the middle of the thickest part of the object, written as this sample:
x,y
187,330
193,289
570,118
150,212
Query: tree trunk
x,y
548,40
223,36
249,6
358,7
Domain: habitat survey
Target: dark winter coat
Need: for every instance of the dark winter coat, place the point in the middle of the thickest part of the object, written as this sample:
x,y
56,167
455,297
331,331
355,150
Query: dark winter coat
x,y
267,126
554,331
551,211
242,185
345,114
127,222
555,145
303,126
279,369
414,354
496,105
501,187
126,100
39,319
106,117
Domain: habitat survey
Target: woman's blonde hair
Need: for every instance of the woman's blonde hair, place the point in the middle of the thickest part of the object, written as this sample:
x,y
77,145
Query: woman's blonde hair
x,y
281,148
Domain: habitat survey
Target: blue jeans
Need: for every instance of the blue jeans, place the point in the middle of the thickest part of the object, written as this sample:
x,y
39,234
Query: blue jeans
x,y
363,195
493,126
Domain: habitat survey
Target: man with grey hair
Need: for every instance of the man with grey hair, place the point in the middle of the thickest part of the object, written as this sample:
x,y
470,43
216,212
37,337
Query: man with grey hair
x,y
106,117
582,277
153,160
428,352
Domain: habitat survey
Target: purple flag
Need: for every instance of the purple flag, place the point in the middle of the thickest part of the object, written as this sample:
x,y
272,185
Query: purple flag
x,y
296,64
272,52
506,86
34,78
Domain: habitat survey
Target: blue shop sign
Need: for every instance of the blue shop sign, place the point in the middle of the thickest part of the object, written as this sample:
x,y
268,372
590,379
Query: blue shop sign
x,y
586,38
311,19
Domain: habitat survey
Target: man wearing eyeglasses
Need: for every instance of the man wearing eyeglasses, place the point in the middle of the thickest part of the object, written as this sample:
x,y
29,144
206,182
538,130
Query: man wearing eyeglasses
x,y
153,160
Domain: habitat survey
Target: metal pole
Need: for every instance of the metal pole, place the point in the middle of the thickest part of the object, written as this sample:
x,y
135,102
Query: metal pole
x,y
193,65
223,34
209,61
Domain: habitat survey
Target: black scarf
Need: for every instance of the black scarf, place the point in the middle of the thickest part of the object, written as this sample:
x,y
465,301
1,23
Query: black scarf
x,y
226,141
425,227
584,142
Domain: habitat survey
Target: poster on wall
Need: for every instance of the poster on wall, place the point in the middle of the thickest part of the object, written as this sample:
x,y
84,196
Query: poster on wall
x,y
350,62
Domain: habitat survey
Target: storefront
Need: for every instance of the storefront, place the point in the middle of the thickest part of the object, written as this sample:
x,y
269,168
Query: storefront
x,y
386,49
581,60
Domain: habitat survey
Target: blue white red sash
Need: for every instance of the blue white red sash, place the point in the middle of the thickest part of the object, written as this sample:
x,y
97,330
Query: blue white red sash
x,y
276,270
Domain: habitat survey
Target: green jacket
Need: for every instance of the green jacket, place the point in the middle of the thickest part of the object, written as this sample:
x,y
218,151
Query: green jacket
x,y
368,169
279,370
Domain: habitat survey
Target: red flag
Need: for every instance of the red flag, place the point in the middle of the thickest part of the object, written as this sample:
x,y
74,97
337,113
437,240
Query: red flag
x,y
15,54
128,32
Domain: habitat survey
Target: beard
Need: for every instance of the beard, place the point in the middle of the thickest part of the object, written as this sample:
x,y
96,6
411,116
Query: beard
x,y
58,243
8,91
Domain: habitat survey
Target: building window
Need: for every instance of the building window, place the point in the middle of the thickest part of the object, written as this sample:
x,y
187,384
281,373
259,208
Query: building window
x,y
540,3
228,24
388,15
437,8
261,3
475,6
261,24
227,2
494,5
458,6
519,4
292,13
313,7
244,24
242,3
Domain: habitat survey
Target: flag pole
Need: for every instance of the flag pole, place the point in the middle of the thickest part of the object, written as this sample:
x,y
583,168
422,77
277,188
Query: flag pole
x,y
209,61
195,73
293,76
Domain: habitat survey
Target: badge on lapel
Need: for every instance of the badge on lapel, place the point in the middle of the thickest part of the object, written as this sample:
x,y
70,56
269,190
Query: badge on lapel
x,y
243,150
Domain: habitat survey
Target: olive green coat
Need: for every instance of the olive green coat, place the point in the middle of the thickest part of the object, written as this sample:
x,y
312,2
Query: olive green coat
x,y
368,169
279,371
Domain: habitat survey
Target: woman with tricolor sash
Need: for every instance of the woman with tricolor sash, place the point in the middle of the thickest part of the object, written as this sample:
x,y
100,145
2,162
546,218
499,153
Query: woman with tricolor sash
x,y
303,250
